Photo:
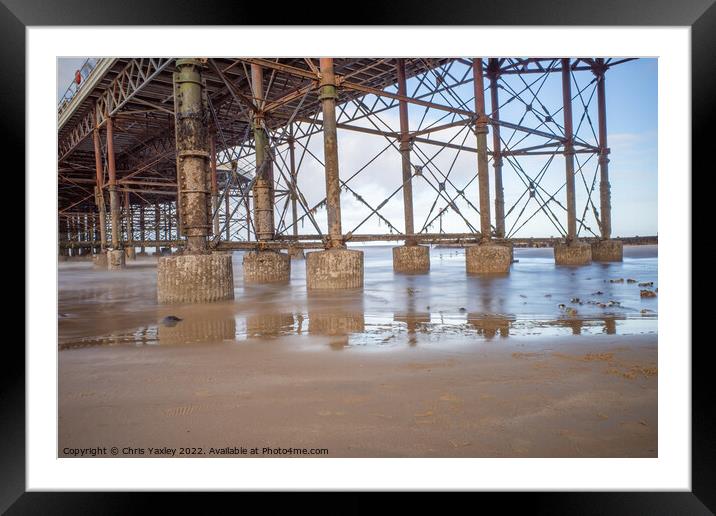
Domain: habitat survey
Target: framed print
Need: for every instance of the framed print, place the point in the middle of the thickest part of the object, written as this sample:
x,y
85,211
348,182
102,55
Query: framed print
x,y
357,255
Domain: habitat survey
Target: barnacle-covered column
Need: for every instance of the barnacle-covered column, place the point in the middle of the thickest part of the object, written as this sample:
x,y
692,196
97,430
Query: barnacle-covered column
x,y
196,275
263,265
487,257
337,267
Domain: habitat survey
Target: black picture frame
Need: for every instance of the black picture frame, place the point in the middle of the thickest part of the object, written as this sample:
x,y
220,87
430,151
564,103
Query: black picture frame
x,y
700,15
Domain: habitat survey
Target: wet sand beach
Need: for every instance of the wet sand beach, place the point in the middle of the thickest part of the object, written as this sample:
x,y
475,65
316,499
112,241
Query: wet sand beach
x,y
437,365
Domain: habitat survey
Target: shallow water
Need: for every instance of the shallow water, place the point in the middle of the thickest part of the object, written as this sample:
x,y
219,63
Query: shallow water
x,y
445,306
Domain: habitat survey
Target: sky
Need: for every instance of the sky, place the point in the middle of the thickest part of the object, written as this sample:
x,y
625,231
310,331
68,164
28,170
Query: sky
x,y
631,92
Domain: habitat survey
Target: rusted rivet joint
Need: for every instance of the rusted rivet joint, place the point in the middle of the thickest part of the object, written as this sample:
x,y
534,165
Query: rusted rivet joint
x,y
328,91
599,69
497,158
481,124
569,147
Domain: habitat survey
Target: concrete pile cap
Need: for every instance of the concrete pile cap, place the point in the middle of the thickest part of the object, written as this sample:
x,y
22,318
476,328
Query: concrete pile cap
x,y
195,278
334,269
488,259
411,258
266,267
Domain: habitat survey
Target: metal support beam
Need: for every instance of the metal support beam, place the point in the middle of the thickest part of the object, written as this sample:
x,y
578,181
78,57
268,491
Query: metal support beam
x,y
227,213
128,218
263,187
294,179
405,153
569,150
141,225
156,225
605,194
192,154
481,133
113,196
214,185
328,96
99,193
493,74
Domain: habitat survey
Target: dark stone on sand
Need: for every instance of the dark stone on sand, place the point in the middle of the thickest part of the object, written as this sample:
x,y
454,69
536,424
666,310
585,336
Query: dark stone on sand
x,y
170,320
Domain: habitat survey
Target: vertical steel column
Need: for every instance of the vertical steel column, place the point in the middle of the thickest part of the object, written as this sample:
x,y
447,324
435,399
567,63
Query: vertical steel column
x,y
569,150
86,234
405,154
214,185
481,132
227,212
263,187
328,96
247,202
113,197
605,194
294,179
156,225
165,226
128,217
99,192
70,235
141,226
94,231
170,219
78,233
192,155
493,72
62,236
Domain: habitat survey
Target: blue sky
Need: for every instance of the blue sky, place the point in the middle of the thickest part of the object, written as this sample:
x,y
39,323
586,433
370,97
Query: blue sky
x,y
632,119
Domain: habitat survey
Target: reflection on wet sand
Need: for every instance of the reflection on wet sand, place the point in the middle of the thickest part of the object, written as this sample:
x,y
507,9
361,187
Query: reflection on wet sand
x,y
272,325
98,309
197,331
608,325
490,325
414,323
346,327
337,315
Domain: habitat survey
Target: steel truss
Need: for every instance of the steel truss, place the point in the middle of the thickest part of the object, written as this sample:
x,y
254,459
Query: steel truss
x,y
527,140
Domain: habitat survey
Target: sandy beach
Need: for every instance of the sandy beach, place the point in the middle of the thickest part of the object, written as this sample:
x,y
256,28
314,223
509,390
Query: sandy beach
x,y
571,397
433,366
